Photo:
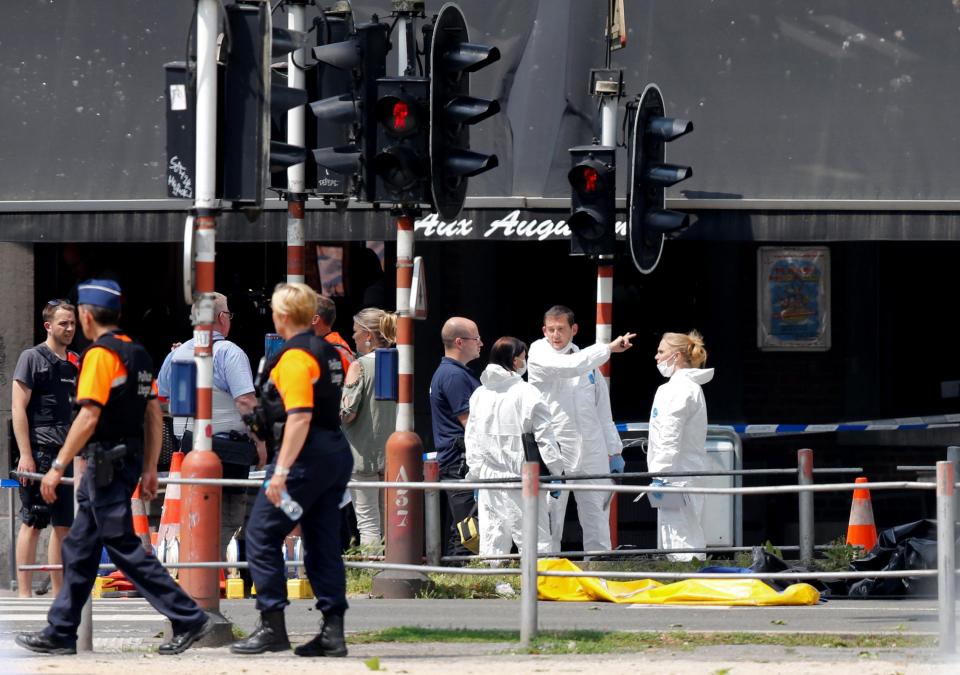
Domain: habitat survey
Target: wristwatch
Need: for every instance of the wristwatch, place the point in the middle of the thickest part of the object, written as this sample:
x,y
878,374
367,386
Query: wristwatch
x,y
281,471
58,465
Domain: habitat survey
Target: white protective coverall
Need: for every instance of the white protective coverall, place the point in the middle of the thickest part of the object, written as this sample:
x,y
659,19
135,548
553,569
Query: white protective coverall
x,y
678,436
584,428
502,409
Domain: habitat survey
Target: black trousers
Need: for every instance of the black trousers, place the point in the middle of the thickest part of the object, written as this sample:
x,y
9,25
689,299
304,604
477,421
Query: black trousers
x,y
104,519
316,483
459,503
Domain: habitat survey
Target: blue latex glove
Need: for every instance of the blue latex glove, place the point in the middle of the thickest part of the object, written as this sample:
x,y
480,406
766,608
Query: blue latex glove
x,y
556,493
617,464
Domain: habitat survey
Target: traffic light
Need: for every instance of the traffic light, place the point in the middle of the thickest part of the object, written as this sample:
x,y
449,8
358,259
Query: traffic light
x,y
327,81
402,162
453,110
592,200
364,56
248,102
649,222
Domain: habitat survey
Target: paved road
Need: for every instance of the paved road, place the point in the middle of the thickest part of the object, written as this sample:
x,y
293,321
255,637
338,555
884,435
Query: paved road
x,y
124,629
126,622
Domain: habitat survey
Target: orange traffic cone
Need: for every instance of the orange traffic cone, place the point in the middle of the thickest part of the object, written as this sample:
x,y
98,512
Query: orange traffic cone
x,y
861,531
141,525
168,535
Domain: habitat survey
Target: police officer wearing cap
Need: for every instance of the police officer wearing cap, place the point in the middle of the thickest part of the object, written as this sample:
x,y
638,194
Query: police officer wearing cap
x,y
118,427
313,467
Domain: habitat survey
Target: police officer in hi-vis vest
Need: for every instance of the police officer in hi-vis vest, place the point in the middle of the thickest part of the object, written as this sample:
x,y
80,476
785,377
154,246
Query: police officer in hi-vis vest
x,y
312,468
118,428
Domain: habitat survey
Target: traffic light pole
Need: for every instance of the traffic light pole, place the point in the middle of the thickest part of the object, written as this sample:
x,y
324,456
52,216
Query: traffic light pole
x,y
296,135
608,134
404,449
405,320
200,522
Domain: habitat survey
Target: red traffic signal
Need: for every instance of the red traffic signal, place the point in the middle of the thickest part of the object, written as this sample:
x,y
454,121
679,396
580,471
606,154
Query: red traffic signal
x,y
589,179
593,184
399,115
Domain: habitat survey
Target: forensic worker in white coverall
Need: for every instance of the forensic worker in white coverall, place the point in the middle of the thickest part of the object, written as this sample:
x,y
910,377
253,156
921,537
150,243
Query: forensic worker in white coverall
x,y
678,436
570,381
502,410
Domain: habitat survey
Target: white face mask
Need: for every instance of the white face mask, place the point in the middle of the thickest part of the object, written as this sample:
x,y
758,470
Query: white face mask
x,y
666,369
522,369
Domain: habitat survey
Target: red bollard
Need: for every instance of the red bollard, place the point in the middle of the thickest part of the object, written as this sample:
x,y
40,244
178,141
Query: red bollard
x,y
200,528
404,508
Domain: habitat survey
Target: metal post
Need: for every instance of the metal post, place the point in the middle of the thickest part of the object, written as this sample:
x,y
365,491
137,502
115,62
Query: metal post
x,y
200,513
528,553
431,513
805,477
953,456
296,135
85,629
946,558
11,504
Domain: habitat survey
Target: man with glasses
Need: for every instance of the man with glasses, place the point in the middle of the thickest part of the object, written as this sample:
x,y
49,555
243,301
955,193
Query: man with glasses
x,y
233,396
450,391
43,384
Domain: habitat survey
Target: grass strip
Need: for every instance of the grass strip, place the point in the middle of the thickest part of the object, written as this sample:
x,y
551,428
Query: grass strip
x,y
597,642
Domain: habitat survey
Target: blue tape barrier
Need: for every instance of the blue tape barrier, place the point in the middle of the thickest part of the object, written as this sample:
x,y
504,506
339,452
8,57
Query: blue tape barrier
x,y
896,424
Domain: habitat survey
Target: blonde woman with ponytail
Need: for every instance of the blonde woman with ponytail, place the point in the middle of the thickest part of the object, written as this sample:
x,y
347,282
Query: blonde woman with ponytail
x,y
678,435
367,422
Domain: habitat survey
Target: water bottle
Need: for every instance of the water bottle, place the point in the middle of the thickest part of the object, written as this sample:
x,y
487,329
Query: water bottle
x,y
290,507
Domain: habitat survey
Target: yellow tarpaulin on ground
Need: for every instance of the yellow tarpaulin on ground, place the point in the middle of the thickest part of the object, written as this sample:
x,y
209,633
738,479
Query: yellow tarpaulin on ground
x,y
732,591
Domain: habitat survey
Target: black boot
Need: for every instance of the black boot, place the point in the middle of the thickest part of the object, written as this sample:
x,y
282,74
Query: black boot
x,y
328,642
270,635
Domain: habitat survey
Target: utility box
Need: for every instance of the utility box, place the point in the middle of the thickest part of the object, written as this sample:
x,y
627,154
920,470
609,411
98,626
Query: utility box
x,y
183,388
721,520
723,514
386,375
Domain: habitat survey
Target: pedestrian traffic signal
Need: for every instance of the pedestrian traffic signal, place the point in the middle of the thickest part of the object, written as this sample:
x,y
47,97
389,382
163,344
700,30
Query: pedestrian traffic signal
x,y
402,162
364,56
453,110
648,220
593,185
249,100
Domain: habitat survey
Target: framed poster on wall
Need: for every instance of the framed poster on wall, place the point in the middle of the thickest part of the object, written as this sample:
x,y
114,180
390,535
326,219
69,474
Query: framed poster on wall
x,y
793,298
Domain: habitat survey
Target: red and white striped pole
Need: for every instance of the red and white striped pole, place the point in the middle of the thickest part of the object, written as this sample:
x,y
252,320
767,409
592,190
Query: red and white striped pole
x,y
200,505
605,335
605,306
405,322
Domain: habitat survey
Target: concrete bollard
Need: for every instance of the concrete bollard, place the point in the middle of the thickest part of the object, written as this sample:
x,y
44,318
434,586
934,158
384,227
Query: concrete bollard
x,y
200,528
431,514
528,555
404,540
805,499
946,557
